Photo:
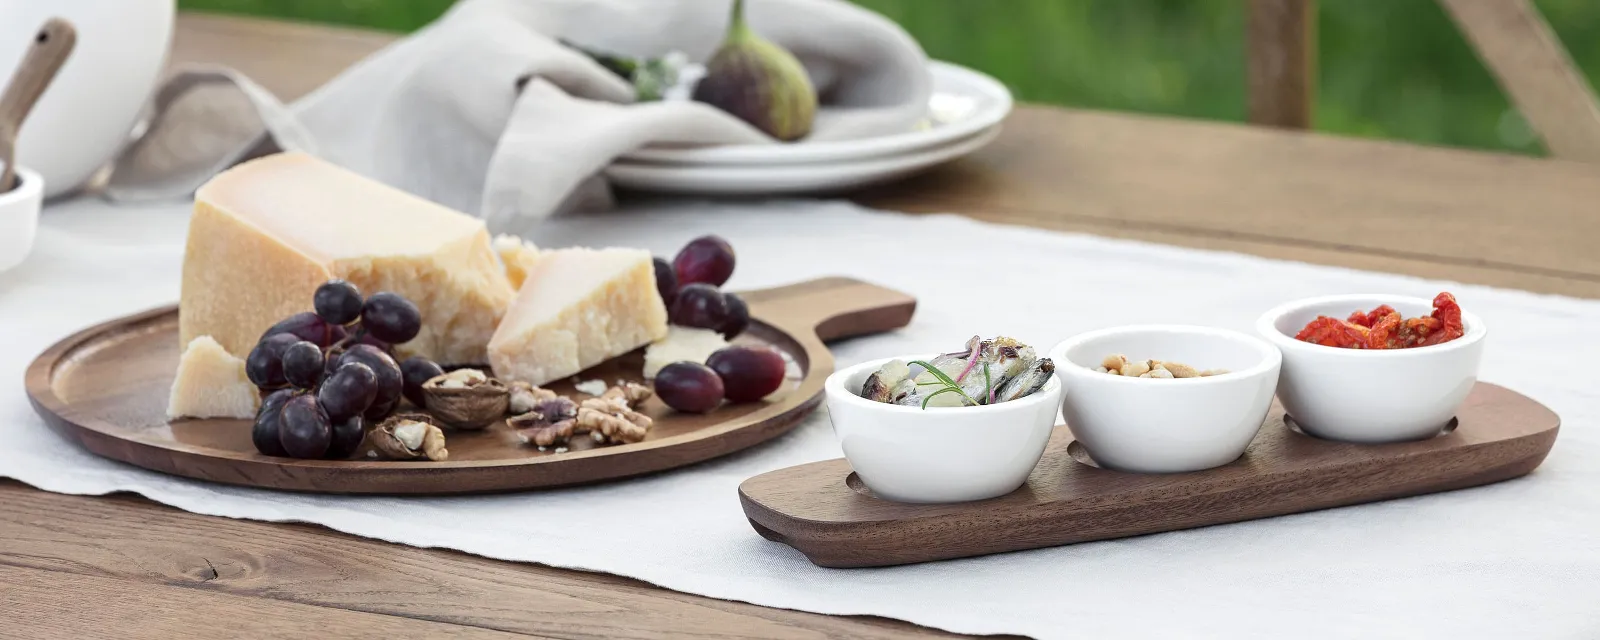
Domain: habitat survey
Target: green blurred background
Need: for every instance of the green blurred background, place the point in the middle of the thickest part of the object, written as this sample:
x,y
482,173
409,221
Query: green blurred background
x,y
1388,68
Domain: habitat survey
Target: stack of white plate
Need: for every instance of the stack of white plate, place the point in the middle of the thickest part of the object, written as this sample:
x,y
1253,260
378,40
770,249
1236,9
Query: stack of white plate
x,y
964,114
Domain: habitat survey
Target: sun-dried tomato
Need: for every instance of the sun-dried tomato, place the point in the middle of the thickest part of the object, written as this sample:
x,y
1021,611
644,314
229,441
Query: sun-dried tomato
x,y
1383,328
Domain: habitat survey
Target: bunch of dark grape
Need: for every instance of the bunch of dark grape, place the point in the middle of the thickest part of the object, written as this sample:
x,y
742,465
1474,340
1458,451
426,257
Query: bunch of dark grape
x,y
326,375
690,287
738,373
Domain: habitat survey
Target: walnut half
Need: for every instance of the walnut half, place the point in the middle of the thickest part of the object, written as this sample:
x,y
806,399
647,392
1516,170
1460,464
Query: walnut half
x,y
405,437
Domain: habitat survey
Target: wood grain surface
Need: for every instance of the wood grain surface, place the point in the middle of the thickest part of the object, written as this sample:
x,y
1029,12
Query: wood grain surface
x,y
106,388
1190,183
829,514
192,557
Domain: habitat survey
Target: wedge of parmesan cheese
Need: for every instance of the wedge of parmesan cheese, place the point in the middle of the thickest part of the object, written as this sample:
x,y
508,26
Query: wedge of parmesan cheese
x,y
517,255
682,344
211,383
578,308
266,233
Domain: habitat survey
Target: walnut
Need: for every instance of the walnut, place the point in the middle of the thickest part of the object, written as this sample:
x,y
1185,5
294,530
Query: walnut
x,y
544,434
524,396
632,393
402,437
548,422
625,426
466,398
608,418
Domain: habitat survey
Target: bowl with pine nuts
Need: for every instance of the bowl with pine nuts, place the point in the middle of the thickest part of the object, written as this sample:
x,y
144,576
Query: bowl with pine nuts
x,y
1165,398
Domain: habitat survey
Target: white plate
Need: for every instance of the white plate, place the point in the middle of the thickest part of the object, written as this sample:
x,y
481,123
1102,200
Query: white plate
x,y
964,102
788,179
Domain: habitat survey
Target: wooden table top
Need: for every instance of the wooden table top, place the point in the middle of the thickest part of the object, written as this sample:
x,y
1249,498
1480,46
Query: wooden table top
x,y
124,567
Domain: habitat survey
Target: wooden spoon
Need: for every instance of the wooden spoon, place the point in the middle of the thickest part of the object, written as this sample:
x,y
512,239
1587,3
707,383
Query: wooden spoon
x,y
46,54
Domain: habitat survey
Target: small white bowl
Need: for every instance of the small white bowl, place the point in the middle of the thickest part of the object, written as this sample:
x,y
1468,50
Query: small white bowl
x,y
1371,396
1148,425
19,217
953,454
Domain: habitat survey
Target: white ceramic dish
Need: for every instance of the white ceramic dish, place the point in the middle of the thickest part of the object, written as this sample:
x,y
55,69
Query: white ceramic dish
x,y
19,217
788,179
1371,396
87,113
908,454
1166,426
964,102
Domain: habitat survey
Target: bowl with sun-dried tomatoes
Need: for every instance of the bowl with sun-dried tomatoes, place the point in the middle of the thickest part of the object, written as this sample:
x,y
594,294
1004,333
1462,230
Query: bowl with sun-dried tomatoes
x,y
1374,368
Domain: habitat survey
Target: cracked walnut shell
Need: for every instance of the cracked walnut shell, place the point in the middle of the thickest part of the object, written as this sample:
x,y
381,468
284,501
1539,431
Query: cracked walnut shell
x,y
405,437
466,398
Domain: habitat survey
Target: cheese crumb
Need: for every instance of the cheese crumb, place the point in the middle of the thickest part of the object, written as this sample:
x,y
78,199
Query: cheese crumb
x,y
591,387
681,344
211,383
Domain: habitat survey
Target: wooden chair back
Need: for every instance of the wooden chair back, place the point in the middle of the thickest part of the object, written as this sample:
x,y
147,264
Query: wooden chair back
x,y
1511,36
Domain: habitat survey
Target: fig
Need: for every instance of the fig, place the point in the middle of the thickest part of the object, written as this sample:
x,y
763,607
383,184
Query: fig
x,y
759,82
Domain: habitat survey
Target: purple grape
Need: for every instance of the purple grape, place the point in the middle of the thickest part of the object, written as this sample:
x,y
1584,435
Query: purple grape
x,y
699,305
390,382
303,429
391,318
348,392
309,327
666,281
415,371
366,338
748,373
338,302
690,387
265,432
302,364
738,316
264,365
706,259
347,437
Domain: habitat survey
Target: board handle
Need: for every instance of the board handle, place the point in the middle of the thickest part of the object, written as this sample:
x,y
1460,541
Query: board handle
x,y
832,308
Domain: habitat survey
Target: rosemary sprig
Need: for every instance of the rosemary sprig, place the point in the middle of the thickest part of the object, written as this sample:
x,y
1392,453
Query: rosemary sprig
x,y
951,385
988,386
942,391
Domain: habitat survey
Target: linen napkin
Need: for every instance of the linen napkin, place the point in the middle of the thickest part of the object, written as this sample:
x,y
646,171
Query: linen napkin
x,y
1510,561
487,110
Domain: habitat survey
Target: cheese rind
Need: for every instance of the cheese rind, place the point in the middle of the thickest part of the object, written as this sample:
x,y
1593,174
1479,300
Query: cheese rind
x,y
211,383
578,308
266,233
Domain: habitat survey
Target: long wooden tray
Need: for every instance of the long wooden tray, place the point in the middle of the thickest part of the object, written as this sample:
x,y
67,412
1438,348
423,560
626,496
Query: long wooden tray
x,y
823,510
107,386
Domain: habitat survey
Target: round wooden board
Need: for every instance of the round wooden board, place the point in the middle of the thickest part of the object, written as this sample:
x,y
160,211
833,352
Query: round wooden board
x,y
107,387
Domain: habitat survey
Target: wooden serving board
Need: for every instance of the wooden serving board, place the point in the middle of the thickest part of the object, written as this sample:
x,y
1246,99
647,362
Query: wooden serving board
x,y
823,509
107,388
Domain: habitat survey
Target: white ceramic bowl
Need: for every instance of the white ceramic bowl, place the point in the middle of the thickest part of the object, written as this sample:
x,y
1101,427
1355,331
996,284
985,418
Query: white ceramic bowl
x,y
957,454
1371,396
19,217
1166,426
87,113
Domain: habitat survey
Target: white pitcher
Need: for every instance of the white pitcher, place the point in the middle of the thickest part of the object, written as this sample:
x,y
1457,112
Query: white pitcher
x,y
88,112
